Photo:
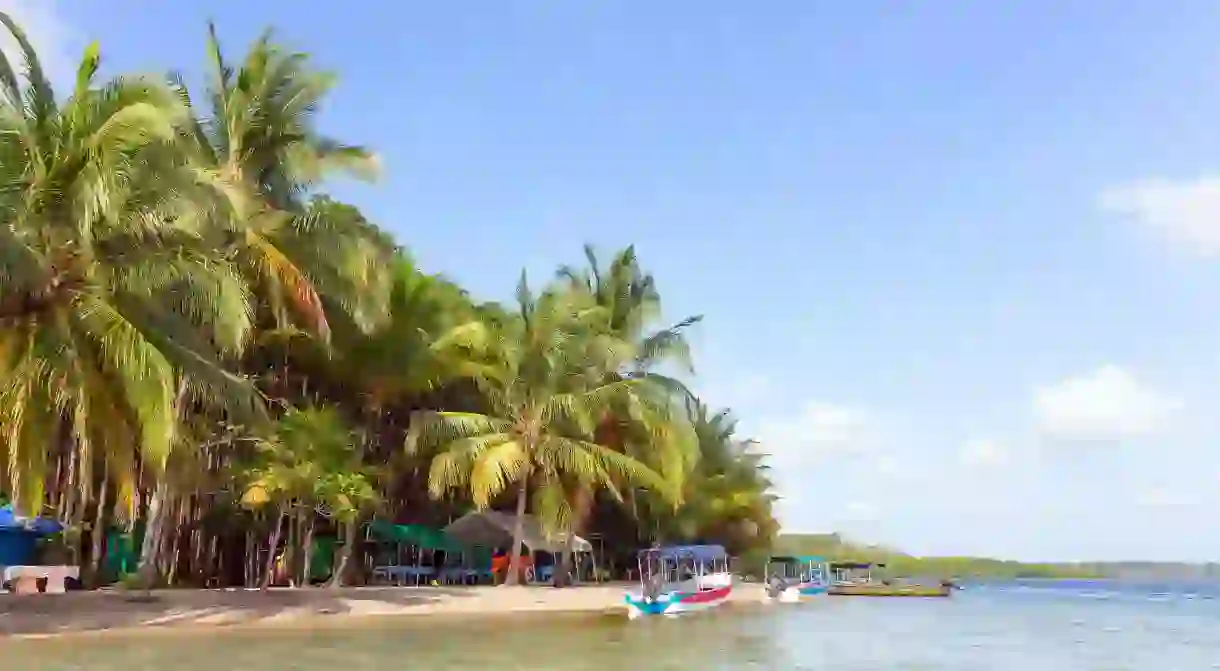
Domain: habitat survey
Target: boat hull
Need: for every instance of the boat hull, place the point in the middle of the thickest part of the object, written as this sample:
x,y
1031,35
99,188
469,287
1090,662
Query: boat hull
x,y
804,592
890,590
676,603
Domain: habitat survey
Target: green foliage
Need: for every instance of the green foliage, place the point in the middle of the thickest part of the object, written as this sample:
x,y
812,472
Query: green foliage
x,y
728,495
193,336
543,388
832,547
114,310
312,458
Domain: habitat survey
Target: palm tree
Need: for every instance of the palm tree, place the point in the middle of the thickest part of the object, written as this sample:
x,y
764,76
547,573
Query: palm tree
x,y
415,349
311,462
260,152
728,496
114,312
542,396
630,297
251,164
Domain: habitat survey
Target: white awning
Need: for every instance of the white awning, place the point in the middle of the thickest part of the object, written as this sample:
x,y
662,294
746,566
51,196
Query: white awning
x,y
495,529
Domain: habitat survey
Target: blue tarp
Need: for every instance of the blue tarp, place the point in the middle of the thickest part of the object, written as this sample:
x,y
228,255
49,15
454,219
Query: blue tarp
x,y
697,552
19,536
10,521
17,547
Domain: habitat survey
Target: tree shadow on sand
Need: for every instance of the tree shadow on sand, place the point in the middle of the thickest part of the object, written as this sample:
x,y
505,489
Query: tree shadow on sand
x,y
93,611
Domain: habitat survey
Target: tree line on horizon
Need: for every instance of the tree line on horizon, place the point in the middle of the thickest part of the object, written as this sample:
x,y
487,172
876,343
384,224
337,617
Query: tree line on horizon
x,y
202,350
834,547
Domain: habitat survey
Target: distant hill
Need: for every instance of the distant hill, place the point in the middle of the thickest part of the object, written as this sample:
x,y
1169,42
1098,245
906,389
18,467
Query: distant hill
x,y
1145,570
834,547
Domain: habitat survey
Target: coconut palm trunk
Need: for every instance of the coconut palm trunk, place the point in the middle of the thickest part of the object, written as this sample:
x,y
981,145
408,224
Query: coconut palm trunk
x,y
97,538
567,563
152,535
345,554
269,569
307,551
514,560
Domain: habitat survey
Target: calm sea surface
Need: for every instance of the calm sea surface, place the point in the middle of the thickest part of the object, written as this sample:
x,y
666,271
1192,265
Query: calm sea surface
x,y
1033,626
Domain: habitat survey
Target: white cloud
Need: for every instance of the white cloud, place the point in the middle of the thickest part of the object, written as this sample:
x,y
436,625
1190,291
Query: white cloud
x,y
983,453
1107,404
55,40
818,431
1158,497
1185,211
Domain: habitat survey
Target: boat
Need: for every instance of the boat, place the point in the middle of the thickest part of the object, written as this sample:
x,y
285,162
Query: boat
x,y
680,579
791,579
848,581
881,589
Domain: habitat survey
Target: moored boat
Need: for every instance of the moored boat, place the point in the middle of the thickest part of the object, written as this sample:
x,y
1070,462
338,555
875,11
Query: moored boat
x,y
880,589
680,579
856,579
792,579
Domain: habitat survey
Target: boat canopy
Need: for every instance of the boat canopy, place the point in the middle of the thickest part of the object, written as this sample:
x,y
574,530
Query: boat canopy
x,y
854,565
796,559
696,552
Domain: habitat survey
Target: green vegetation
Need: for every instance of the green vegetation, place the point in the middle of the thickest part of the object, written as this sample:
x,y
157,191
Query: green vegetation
x,y
833,547
200,349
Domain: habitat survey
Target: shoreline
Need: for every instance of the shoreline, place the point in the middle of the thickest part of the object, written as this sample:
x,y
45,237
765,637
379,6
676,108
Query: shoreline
x,y
25,617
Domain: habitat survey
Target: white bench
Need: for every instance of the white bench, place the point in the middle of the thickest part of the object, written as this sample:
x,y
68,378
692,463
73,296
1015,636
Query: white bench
x,y
24,579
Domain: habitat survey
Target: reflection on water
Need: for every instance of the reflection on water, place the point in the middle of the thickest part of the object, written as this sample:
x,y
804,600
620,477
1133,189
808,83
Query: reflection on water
x,y
1003,629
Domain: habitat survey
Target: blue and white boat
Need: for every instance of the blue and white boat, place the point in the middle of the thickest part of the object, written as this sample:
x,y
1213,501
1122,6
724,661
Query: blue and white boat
x,y
680,579
792,579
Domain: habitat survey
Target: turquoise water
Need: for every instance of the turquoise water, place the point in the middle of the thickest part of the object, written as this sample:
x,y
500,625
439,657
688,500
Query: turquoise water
x,y
1076,626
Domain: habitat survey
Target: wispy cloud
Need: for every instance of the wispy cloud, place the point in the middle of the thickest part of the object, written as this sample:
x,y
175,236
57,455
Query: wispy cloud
x,y
1158,497
818,431
1105,404
1185,211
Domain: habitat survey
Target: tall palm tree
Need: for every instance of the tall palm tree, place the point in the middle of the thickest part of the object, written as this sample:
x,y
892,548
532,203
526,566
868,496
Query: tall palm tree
x,y
252,163
114,311
728,495
630,297
261,153
542,397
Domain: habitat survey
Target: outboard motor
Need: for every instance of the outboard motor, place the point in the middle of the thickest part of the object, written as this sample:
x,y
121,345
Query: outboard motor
x,y
776,585
652,587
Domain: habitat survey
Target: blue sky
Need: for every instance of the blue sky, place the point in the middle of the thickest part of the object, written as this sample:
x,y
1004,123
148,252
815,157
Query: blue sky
x,y
958,261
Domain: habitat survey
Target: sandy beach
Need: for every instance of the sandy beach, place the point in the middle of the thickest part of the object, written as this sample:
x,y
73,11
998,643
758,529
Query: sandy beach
x,y
80,612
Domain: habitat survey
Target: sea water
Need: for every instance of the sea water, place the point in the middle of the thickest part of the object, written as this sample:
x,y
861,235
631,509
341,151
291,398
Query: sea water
x,y
1026,626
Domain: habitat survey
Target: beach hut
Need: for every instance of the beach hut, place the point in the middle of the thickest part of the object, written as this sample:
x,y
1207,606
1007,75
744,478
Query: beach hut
x,y
424,544
492,528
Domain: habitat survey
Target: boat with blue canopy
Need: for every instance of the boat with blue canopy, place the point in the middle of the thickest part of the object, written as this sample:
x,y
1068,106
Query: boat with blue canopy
x,y
680,579
793,578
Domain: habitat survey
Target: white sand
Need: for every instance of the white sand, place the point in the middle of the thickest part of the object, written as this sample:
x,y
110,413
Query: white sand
x,y
75,612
